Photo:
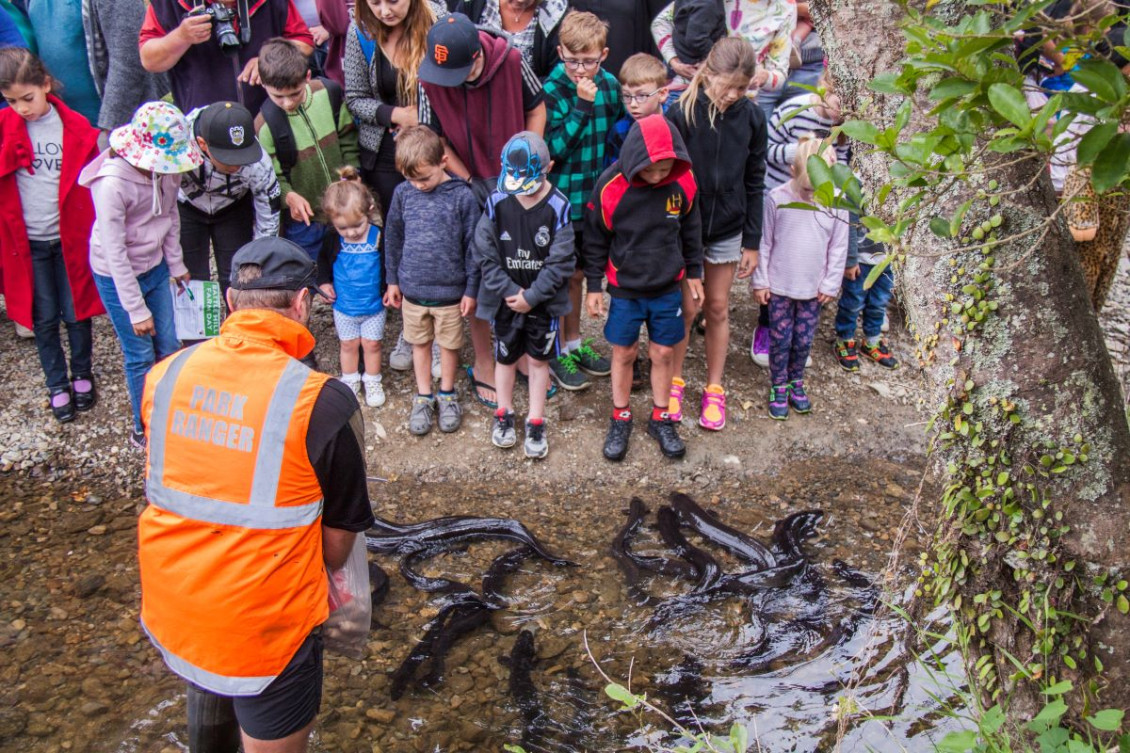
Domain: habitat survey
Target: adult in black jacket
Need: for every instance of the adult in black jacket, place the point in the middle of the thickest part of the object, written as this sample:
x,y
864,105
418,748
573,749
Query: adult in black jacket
x,y
533,26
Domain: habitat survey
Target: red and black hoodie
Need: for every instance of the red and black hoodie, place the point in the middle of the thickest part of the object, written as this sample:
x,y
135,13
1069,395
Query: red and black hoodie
x,y
644,238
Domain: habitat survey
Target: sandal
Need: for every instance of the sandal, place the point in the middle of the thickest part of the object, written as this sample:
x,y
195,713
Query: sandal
x,y
476,385
521,378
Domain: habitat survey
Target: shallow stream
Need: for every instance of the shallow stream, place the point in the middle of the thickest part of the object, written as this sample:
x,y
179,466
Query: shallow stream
x,y
78,675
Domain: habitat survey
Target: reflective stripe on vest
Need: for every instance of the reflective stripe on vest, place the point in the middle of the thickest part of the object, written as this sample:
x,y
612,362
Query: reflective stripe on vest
x,y
260,512
222,684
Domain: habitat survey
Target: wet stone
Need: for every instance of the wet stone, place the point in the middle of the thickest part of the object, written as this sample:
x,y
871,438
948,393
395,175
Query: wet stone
x,y
93,708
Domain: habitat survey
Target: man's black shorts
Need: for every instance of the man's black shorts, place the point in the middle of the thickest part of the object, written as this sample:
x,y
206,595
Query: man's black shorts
x,y
532,334
291,701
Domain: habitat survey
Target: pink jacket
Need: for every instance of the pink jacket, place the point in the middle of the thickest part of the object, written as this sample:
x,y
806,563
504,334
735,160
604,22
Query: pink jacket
x,y
803,252
137,225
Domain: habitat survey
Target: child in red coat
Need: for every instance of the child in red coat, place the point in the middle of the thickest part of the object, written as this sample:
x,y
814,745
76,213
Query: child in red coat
x,y
44,261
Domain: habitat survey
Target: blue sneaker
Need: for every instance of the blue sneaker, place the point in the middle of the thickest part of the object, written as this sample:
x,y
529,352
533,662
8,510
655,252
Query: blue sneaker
x,y
779,402
797,397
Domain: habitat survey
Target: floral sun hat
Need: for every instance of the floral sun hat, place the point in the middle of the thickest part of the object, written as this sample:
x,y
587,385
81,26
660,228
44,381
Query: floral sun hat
x,y
157,139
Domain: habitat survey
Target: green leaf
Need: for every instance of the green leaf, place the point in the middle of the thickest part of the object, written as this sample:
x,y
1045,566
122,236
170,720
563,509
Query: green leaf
x,y
1123,604
1048,716
949,88
1094,141
1059,688
861,130
1107,720
1102,78
818,171
1110,166
886,83
1009,102
940,226
513,748
618,692
739,738
957,742
876,271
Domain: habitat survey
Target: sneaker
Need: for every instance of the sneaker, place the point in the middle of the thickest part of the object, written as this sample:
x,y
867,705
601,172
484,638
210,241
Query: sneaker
x,y
374,391
400,358
713,414
502,435
567,374
591,362
437,370
62,406
779,402
536,445
664,432
847,354
353,384
137,439
880,353
82,389
675,400
23,332
798,399
422,416
759,347
616,440
450,412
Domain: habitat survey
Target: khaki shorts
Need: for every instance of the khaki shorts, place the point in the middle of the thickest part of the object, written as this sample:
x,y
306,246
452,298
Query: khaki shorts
x,y
422,324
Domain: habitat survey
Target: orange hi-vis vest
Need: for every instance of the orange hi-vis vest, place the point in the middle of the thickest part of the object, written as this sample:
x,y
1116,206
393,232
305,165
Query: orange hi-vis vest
x,y
230,546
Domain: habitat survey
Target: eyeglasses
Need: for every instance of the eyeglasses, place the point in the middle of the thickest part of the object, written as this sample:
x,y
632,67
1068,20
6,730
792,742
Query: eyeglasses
x,y
641,98
576,65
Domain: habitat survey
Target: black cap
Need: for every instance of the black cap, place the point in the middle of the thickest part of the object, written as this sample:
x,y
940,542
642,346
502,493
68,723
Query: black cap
x,y
453,45
229,131
285,266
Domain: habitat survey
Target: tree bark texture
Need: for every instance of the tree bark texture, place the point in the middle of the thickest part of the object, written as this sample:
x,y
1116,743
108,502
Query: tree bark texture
x,y
1042,350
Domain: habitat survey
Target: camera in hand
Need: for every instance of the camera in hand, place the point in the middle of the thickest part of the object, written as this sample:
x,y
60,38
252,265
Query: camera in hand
x,y
223,30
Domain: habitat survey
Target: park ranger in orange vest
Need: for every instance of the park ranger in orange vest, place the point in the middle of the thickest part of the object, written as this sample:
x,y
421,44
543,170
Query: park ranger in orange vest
x,y
256,485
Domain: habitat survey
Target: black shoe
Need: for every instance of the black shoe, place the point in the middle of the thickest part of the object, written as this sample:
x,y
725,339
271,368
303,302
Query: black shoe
x,y
616,440
63,411
665,433
84,401
137,439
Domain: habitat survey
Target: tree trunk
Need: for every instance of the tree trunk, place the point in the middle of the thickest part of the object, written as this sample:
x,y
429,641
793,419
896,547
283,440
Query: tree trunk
x,y
1040,350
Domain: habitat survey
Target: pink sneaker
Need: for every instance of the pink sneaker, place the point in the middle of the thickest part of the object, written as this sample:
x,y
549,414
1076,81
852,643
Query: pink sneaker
x,y
713,415
759,347
675,401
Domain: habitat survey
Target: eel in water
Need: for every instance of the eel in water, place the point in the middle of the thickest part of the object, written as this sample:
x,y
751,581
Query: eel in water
x,y
503,565
453,620
386,537
706,569
521,661
633,563
378,584
428,584
714,530
789,532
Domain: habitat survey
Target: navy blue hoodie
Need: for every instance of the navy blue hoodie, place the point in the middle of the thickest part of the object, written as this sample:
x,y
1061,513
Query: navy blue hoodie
x,y
644,238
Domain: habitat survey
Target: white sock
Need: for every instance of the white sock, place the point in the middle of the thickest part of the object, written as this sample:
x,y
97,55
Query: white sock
x,y
371,378
873,341
571,345
353,378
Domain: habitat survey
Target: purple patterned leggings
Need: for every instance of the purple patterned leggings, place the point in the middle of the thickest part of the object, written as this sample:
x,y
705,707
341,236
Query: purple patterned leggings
x,y
792,326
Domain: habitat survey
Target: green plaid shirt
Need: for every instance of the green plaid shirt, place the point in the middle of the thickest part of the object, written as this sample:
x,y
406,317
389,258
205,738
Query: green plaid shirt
x,y
576,132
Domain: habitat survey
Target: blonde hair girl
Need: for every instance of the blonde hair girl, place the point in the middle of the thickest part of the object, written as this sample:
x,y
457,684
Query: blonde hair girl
x,y
726,136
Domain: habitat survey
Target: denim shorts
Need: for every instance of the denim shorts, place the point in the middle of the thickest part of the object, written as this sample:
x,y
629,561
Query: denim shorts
x,y
662,314
370,327
723,251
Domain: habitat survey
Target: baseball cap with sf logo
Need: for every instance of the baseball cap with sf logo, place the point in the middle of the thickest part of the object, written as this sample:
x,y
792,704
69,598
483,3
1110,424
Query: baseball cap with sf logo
x,y
453,45
229,131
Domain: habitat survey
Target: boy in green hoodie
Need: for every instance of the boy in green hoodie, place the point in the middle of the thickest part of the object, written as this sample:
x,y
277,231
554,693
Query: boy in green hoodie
x,y
309,136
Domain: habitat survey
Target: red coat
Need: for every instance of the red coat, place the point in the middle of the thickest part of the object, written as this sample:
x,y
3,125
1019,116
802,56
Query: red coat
x,y
76,214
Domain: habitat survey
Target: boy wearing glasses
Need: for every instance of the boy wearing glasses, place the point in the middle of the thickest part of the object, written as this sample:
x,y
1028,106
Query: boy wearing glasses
x,y
643,90
582,104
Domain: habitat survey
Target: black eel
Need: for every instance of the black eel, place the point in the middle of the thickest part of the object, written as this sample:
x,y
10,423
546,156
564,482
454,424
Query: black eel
x,y
494,578
386,537
452,621
789,532
712,529
633,563
706,569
